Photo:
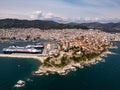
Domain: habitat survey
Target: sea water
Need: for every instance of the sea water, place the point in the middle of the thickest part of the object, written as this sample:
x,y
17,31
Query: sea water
x,y
101,76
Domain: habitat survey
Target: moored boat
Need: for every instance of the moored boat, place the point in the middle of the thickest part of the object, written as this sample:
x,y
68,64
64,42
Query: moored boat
x,y
38,46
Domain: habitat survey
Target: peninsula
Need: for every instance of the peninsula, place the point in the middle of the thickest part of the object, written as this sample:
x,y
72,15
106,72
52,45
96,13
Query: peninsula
x,y
74,48
65,49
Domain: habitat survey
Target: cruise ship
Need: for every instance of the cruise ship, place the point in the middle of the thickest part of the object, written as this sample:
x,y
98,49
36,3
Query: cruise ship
x,y
32,49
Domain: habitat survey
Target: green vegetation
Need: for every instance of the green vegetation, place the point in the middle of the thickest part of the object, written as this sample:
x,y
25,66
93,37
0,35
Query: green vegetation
x,y
104,50
64,61
84,55
82,37
76,59
61,46
28,37
92,55
47,62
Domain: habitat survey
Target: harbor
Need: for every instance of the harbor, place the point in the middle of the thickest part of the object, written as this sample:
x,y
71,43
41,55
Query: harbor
x,y
63,54
36,51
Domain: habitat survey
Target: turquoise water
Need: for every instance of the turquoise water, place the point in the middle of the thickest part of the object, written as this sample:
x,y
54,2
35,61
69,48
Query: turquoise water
x,y
102,76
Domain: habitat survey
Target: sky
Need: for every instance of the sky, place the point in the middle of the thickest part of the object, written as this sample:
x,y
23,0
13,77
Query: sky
x,y
62,10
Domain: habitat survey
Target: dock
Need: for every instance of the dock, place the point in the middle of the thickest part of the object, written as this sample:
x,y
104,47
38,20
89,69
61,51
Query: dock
x,y
39,57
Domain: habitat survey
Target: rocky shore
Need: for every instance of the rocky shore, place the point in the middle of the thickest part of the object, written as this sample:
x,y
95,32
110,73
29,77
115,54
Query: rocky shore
x,y
71,67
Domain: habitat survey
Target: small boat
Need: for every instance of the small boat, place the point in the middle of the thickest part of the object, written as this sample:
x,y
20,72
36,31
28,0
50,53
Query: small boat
x,y
20,83
39,46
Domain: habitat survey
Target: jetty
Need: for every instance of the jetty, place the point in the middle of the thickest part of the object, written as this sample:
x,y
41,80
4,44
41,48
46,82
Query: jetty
x,y
39,57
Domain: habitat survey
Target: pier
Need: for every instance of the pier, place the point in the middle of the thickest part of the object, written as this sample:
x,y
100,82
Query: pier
x,y
39,57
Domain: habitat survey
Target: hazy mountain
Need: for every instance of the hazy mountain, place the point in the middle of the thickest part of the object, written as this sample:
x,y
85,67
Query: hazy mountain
x,y
108,27
44,24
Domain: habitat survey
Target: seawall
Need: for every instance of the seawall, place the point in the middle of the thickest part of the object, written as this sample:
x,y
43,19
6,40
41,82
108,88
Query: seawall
x,y
39,57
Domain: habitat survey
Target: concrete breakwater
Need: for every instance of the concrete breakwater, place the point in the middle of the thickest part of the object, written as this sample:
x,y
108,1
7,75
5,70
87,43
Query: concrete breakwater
x,y
39,57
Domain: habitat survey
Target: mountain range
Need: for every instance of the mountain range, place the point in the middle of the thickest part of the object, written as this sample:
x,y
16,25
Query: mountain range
x,y
45,24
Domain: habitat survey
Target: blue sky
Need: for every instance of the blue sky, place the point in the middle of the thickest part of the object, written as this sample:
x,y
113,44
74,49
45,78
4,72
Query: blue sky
x,y
62,10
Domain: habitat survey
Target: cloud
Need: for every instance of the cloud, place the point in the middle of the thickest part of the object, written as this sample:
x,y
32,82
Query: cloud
x,y
46,16
40,15
62,10
37,15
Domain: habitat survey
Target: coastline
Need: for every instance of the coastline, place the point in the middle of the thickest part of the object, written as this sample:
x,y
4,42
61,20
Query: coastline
x,y
42,70
78,46
71,67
